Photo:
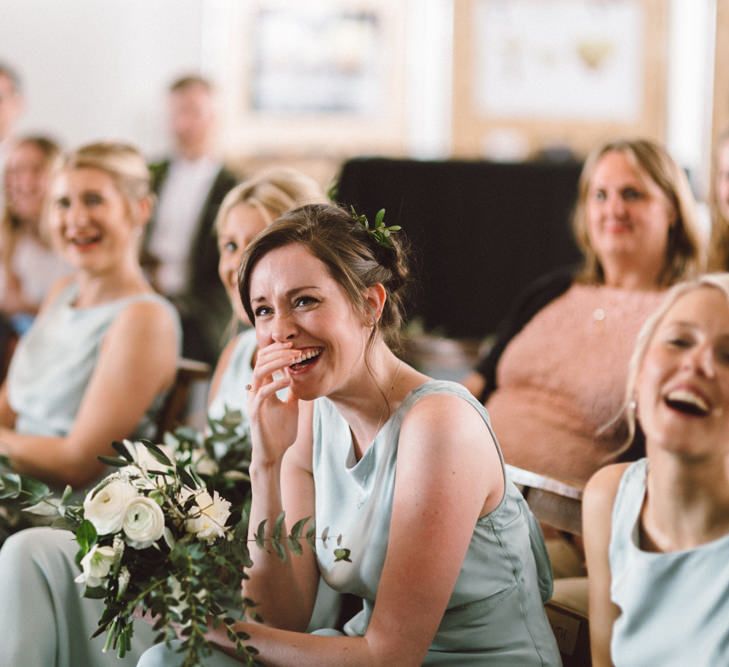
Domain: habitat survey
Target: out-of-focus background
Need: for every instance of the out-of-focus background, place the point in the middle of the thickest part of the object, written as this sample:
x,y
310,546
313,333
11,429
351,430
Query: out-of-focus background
x,y
323,80
501,98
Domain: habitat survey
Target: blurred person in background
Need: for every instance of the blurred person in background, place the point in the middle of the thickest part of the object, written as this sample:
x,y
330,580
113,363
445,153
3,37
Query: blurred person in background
x,y
555,376
102,352
28,264
179,251
11,106
719,244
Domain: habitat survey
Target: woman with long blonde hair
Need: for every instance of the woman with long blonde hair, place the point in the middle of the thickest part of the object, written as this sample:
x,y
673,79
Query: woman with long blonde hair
x,y
103,350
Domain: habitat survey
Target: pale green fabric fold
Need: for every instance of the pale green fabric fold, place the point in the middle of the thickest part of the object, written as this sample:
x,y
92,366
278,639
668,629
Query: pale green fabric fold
x,y
45,621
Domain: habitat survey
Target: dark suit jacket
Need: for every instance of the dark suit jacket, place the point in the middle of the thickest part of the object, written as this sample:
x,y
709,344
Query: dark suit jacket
x,y
203,304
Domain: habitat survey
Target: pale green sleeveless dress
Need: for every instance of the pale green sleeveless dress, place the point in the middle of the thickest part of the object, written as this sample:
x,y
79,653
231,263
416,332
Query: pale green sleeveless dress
x,y
495,615
45,621
674,607
54,361
232,391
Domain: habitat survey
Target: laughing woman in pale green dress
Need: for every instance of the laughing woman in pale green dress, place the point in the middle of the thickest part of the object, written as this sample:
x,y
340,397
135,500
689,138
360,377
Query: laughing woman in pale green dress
x,y
446,557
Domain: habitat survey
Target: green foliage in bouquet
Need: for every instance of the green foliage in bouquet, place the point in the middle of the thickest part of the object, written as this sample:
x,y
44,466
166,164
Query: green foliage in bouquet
x,y
16,492
221,456
157,538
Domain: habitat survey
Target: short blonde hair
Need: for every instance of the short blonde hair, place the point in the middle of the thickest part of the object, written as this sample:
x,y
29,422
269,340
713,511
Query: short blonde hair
x,y
718,281
684,252
272,192
123,162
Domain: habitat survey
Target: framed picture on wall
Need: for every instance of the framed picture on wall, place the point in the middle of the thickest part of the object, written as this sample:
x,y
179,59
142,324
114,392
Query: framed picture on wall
x,y
546,71
320,76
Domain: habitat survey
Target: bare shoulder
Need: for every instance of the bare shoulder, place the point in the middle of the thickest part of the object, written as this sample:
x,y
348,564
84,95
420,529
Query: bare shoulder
x,y
441,417
601,489
443,410
148,318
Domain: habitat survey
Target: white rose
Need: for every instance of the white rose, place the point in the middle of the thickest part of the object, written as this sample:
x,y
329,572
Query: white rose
x,y
144,523
208,516
96,565
107,507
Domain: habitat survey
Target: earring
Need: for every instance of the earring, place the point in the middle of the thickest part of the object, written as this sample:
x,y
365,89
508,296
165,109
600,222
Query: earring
x,y
633,406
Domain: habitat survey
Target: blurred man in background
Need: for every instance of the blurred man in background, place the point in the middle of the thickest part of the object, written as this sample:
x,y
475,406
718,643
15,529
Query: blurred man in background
x,y
180,251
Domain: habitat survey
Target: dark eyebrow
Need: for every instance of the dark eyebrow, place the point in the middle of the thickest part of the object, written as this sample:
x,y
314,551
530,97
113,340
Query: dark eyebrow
x,y
288,294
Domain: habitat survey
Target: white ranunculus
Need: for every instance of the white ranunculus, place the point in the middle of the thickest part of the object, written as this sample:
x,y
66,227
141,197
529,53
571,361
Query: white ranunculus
x,y
96,565
107,507
144,523
208,516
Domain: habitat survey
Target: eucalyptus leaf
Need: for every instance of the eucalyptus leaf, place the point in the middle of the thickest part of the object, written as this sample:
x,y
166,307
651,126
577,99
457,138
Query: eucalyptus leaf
x,y
114,461
261,534
158,453
123,451
46,507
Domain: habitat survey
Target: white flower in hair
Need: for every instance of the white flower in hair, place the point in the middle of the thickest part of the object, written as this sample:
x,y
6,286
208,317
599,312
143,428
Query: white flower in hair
x,y
144,523
106,505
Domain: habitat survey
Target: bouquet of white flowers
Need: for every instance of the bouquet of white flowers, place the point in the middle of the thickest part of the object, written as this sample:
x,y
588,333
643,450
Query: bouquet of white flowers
x,y
154,539
221,456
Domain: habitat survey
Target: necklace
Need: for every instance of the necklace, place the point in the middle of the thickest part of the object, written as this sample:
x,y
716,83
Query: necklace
x,y
362,499
598,314
387,396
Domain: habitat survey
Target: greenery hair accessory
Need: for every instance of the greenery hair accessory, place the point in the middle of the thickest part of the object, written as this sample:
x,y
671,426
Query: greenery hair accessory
x,y
379,231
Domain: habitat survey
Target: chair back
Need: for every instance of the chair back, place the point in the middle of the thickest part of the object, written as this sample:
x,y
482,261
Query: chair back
x,y
174,408
559,505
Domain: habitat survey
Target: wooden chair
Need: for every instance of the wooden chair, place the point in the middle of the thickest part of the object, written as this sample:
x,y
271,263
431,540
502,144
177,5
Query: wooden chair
x,y
173,409
559,505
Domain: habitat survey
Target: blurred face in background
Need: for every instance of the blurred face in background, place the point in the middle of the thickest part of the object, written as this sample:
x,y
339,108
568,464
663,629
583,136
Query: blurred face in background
x,y
628,215
11,104
27,173
241,225
192,120
722,180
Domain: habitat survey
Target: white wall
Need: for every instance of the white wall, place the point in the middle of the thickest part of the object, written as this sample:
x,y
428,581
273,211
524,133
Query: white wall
x,y
99,68
690,85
